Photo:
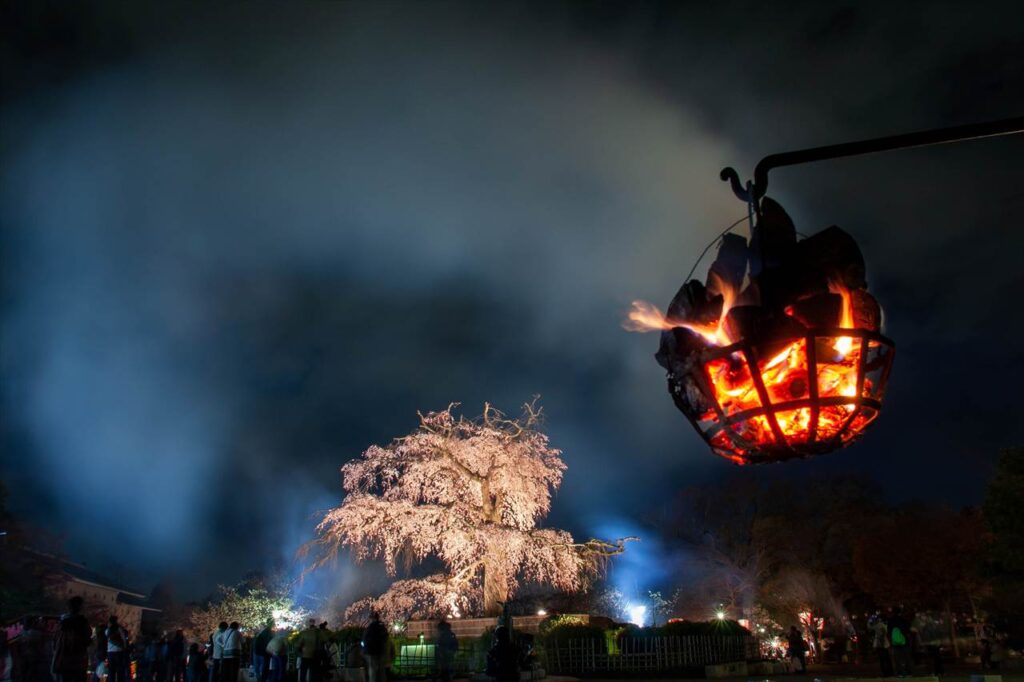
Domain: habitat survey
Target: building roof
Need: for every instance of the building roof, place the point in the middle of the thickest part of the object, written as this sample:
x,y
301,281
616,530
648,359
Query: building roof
x,y
130,599
87,575
84,574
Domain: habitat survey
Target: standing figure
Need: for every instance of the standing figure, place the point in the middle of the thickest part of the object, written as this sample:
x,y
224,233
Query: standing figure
x,y
217,647
277,651
71,653
117,651
880,643
259,651
899,639
375,649
195,664
445,648
232,654
503,657
797,647
100,655
30,661
308,646
176,657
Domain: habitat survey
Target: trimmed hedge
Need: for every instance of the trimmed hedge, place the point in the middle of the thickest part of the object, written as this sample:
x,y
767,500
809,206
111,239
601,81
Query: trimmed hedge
x,y
686,628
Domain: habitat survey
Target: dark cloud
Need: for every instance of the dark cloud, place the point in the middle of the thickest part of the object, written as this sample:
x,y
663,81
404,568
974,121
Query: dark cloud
x,y
243,244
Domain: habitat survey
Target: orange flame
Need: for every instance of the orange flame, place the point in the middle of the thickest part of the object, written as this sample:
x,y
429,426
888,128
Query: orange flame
x,y
647,317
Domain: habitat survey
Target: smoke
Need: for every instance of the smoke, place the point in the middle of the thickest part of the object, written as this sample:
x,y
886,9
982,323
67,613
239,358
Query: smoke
x,y
247,242
232,255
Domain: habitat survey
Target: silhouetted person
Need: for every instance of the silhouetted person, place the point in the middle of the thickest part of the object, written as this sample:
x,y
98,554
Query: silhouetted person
x,y
445,649
308,648
899,638
71,650
880,644
148,660
797,647
6,660
117,651
231,662
277,652
324,659
217,649
100,638
375,646
503,657
176,657
161,653
195,664
31,662
259,651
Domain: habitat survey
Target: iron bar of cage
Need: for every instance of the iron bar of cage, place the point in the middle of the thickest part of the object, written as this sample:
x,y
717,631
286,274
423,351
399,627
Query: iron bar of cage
x,y
769,409
753,192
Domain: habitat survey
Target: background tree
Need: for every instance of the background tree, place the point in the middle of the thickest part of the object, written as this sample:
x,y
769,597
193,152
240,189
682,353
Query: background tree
x,y
1005,521
924,559
718,528
468,494
251,606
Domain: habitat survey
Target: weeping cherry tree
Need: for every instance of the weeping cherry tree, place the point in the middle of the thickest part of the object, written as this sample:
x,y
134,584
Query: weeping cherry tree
x,y
467,495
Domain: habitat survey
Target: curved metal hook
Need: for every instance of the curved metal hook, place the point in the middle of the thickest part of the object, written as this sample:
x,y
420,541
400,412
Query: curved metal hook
x,y
730,175
926,138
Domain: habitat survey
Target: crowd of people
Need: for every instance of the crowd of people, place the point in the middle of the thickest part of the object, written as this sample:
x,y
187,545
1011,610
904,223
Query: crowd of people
x,y
897,645
77,652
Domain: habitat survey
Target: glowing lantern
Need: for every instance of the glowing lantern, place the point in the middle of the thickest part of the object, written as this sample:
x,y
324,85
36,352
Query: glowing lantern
x,y
780,354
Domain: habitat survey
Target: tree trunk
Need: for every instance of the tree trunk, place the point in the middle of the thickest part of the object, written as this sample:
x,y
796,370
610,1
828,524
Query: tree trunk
x,y
495,588
952,632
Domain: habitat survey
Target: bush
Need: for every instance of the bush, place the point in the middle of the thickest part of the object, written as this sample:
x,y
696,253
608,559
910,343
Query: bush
x,y
552,622
565,632
347,635
686,628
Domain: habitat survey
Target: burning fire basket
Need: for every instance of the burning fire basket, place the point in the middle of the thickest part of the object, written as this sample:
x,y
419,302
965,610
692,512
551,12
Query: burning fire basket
x,y
751,406
791,365
779,354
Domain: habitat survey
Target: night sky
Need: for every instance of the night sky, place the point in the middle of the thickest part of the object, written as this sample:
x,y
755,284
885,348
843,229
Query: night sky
x,y
241,244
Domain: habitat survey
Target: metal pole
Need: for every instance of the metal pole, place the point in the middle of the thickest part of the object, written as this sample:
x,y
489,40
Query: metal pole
x,y
926,138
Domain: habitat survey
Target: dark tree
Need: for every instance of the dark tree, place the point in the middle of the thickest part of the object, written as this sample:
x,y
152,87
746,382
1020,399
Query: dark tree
x,y
1003,509
923,558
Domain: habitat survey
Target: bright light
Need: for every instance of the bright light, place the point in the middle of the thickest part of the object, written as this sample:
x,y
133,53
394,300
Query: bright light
x,y
636,613
720,615
541,612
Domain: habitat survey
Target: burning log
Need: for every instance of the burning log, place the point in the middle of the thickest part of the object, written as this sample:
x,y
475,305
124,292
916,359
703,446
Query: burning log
x,y
731,264
792,364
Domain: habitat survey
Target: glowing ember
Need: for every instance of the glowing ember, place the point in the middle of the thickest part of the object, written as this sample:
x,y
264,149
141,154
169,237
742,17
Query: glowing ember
x,y
791,365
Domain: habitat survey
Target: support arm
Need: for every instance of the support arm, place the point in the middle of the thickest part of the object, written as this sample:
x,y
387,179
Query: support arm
x,y
926,138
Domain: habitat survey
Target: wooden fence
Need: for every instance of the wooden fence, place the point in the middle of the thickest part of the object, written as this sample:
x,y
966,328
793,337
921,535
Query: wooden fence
x,y
646,654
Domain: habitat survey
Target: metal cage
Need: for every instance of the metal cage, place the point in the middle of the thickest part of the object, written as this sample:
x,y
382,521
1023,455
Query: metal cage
x,y
818,418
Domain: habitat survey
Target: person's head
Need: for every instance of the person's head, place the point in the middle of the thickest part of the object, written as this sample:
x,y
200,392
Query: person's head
x,y
234,625
223,625
75,604
444,625
193,648
374,617
794,629
898,611
112,620
323,625
501,634
179,634
270,623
